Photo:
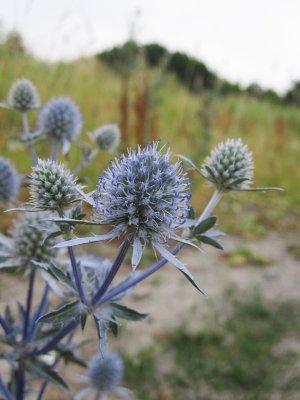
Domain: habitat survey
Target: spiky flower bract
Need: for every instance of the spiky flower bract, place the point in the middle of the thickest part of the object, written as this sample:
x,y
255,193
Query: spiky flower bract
x,y
9,181
143,195
107,137
28,239
52,186
60,119
105,372
23,95
229,166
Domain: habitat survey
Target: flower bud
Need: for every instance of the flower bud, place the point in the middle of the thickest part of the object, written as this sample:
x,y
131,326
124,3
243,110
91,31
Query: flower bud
x,y
229,166
23,95
108,137
52,186
29,240
105,372
9,181
60,119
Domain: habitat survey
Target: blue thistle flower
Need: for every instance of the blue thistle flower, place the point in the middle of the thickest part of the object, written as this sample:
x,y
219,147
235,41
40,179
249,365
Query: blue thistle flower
x,y
105,372
104,375
107,137
23,96
229,166
144,196
60,119
9,181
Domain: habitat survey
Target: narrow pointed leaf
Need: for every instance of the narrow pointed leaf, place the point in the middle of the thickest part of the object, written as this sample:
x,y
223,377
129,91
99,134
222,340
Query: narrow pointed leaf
x,y
62,314
189,162
259,189
205,225
73,222
185,241
87,198
44,371
178,264
210,241
85,240
124,312
137,253
83,318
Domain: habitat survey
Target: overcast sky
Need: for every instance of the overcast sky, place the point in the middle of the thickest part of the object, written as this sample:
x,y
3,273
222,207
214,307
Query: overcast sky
x,y
242,40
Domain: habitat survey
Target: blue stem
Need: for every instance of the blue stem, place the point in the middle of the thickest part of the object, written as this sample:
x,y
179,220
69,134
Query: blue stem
x,y
28,305
127,285
5,390
20,381
55,150
75,267
113,271
39,311
42,391
76,275
30,146
56,339
45,384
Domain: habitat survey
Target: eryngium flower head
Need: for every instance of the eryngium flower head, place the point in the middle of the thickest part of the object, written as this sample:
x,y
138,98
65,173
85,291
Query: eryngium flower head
x,y
29,240
9,181
52,186
105,372
143,195
229,166
23,95
60,119
108,137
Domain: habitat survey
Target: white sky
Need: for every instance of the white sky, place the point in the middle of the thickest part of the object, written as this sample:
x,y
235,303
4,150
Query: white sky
x,y
242,40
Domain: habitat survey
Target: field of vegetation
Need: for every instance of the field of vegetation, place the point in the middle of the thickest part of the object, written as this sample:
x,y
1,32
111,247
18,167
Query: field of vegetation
x,y
156,105
226,356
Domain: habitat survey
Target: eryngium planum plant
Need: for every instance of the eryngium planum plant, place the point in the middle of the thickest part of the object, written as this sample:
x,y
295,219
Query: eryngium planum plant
x,y
142,199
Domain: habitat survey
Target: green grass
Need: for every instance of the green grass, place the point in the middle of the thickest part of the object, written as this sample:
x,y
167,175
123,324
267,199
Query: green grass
x,y
236,358
96,89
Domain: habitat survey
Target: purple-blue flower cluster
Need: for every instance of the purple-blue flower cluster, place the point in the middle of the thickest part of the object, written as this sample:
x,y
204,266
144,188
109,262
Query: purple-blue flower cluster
x,y
143,194
60,119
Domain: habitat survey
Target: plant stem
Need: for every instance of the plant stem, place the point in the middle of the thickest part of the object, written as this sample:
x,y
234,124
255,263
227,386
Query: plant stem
x,y
27,132
216,197
20,381
28,304
75,267
5,390
55,150
56,339
39,311
76,275
113,271
127,285
45,383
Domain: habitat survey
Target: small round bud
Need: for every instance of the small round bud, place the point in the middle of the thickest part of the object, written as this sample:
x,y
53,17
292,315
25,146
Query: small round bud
x,y
29,240
105,372
52,186
229,166
108,137
60,119
23,95
9,181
